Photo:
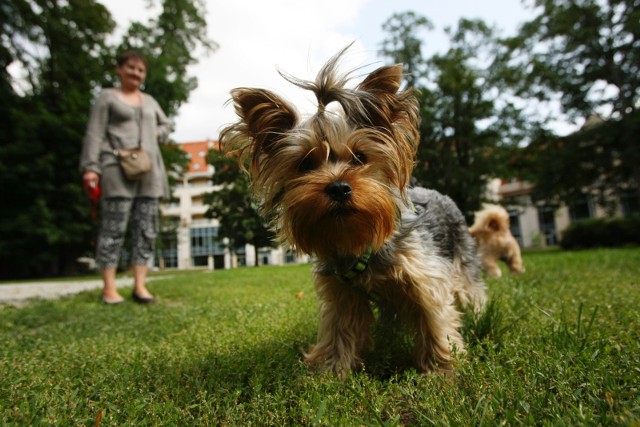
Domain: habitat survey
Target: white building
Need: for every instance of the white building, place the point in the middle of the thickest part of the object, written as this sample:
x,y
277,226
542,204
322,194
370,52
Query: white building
x,y
539,225
190,239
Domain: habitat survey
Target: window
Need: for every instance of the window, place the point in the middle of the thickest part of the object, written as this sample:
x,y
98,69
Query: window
x,y
167,245
630,202
290,257
265,257
204,242
514,225
242,261
170,256
547,223
581,209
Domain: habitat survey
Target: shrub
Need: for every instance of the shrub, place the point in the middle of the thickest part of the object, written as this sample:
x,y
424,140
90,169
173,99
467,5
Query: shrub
x,y
602,232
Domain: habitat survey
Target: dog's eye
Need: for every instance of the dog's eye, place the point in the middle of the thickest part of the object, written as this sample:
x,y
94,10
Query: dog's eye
x,y
306,165
359,158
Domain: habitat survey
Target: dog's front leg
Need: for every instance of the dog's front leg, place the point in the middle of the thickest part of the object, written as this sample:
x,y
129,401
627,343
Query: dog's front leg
x,y
491,266
430,302
514,258
345,317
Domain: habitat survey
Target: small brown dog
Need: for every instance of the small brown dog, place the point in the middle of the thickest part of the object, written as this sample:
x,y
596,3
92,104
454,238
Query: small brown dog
x,y
336,186
495,241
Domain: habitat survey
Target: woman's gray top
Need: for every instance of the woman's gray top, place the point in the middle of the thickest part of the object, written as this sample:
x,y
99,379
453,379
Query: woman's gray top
x,y
112,118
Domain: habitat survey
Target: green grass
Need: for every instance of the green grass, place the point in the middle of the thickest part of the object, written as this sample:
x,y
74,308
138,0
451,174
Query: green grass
x,y
559,345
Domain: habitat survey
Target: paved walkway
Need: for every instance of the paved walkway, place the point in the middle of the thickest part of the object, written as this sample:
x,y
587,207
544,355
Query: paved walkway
x,y
17,294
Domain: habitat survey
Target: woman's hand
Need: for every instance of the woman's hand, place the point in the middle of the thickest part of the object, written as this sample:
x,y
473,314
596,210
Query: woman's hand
x,y
90,180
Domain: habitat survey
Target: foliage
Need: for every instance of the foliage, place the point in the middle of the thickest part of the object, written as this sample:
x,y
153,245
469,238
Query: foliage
x,y
223,348
466,134
171,43
176,161
585,55
45,222
602,232
404,45
232,204
592,161
60,49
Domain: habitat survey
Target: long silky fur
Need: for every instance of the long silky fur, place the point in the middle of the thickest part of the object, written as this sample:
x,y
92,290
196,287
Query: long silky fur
x,y
422,258
269,135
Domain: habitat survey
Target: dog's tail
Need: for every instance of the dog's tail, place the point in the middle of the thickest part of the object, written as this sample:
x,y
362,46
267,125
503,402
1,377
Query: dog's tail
x,y
492,218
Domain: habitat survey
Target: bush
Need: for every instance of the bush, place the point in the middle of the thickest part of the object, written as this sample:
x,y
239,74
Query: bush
x,y
602,232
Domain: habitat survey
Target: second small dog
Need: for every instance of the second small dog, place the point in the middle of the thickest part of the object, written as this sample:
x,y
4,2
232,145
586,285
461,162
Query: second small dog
x,y
336,186
495,241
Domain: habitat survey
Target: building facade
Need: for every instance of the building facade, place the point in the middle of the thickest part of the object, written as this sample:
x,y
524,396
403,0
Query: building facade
x,y
189,239
537,225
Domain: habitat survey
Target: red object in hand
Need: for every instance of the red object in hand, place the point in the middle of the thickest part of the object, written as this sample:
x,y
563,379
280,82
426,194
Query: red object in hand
x,y
93,191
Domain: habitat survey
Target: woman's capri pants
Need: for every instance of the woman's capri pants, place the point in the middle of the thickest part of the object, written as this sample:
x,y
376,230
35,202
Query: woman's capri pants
x,y
115,214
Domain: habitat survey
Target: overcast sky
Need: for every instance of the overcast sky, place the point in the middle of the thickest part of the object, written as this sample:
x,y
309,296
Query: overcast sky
x,y
258,37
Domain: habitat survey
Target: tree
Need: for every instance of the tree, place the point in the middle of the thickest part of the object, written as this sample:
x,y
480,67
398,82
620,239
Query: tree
x,y
404,45
61,49
585,54
467,131
232,204
44,221
176,162
172,42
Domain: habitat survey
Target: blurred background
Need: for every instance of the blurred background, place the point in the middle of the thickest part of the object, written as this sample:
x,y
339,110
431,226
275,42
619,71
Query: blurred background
x,y
532,105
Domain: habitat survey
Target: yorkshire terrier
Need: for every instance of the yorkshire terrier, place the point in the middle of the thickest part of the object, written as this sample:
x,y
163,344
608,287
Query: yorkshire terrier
x,y
336,186
495,241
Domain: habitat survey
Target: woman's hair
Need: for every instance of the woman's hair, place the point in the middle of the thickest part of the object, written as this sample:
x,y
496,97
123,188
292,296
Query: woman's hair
x,y
131,54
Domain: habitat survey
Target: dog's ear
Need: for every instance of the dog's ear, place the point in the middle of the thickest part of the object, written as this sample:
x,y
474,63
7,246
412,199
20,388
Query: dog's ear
x,y
384,80
265,116
397,112
382,102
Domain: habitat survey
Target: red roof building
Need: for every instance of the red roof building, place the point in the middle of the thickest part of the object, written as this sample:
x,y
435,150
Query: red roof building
x,y
197,152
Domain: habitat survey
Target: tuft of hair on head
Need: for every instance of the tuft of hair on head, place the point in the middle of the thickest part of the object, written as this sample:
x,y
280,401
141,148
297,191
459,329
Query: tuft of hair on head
x,y
376,103
266,121
329,85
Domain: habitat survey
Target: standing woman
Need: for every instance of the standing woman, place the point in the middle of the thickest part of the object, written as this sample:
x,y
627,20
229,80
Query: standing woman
x,y
124,117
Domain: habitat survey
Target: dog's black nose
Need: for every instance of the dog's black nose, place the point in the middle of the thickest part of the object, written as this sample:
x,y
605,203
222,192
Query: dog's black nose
x,y
339,191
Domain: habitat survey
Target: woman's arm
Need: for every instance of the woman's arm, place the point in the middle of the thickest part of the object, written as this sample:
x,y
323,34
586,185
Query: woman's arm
x,y
164,125
94,136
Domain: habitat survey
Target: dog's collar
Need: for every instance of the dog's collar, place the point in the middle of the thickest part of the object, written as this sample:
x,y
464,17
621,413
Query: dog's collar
x,y
362,262
360,265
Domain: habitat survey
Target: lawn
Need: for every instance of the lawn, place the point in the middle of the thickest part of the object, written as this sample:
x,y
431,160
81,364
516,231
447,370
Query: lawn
x,y
560,344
